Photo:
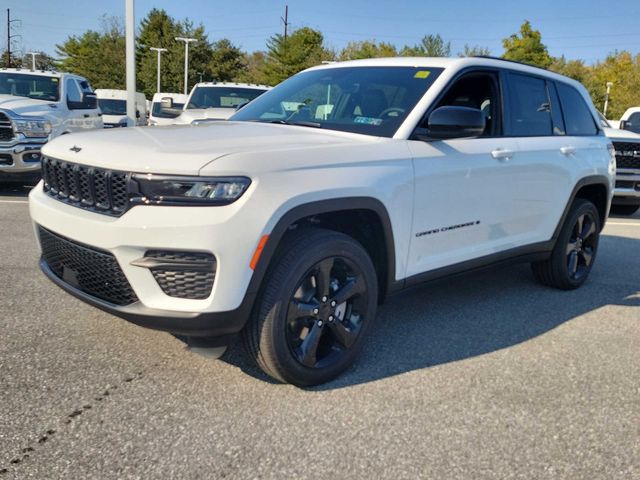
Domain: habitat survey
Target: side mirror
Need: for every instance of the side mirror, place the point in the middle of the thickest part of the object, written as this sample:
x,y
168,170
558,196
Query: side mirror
x,y
455,122
89,100
137,113
166,102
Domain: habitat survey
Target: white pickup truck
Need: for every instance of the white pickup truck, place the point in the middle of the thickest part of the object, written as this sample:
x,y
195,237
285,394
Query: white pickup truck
x,y
113,105
36,106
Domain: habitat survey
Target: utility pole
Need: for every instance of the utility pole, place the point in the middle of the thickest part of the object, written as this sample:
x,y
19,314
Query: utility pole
x,y
9,36
33,59
130,56
285,20
606,99
186,41
159,50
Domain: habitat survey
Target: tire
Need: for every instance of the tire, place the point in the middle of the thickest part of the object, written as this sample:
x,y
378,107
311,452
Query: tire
x,y
317,302
626,210
575,250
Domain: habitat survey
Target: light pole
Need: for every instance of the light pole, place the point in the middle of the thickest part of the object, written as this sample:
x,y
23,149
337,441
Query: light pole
x,y
606,99
33,59
130,56
159,50
186,41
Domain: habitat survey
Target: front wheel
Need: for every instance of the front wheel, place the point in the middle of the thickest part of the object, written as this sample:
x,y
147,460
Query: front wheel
x,y
575,250
318,301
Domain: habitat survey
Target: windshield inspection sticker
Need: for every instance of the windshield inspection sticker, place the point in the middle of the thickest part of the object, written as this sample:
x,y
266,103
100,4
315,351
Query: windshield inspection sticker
x,y
368,121
422,74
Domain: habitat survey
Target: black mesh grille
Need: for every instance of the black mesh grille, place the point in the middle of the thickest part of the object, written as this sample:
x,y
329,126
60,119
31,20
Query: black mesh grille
x,y
6,129
627,154
95,189
191,277
92,271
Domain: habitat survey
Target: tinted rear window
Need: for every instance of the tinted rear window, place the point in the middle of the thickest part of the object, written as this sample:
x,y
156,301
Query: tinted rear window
x,y
577,116
530,108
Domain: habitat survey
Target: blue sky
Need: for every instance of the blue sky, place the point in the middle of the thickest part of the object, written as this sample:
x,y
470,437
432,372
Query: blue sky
x,y
585,29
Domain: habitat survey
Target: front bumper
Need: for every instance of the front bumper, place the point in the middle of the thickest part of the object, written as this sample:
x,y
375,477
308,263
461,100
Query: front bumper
x,y
20,159
218,230
222,325
627,190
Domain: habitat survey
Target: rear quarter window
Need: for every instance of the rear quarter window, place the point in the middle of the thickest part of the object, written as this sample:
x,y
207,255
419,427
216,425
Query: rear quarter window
x,y
577,115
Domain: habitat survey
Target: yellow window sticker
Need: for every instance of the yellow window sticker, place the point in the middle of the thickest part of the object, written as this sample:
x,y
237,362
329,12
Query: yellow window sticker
x,y
422,74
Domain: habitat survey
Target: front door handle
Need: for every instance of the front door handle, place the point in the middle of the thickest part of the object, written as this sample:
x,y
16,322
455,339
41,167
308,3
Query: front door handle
x,y
86,115
568,150
502,154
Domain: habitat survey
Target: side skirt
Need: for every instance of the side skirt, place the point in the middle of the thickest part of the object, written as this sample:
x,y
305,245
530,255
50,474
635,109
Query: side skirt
x,y
529,253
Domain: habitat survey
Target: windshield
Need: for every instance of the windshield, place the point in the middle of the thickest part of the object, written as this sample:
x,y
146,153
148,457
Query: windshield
x,y
159,112
111,106
368,100
39,87
222,97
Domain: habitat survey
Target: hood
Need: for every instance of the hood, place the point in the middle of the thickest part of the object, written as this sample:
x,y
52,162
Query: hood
x,y
188,116
26,106
184,150
616,134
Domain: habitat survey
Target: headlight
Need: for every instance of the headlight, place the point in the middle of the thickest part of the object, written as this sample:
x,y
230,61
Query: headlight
x,y
155,189
612,159
33,128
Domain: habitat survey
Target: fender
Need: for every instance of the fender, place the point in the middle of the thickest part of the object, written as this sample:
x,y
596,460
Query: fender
x,y
583,182
316,208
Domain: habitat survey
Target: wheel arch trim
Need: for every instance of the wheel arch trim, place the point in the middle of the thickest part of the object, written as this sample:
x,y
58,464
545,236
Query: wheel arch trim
x,y
305,210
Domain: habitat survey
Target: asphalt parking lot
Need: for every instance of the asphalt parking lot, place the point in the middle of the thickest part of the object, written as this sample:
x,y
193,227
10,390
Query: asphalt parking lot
x,y
484,376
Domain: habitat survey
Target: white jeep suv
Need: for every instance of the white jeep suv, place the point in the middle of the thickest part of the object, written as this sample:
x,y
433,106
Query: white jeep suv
x,y
209,101
36,106
290,225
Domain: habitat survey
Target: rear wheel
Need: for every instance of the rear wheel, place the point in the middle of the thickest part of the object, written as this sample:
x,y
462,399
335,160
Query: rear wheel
x,y
315,308
575,251
625,209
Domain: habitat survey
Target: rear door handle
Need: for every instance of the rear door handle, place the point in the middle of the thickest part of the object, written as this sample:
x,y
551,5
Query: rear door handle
x,y
86,115
568,150
502,154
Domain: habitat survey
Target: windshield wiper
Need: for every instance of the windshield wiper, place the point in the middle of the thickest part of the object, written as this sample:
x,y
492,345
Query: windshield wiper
x,y
300,124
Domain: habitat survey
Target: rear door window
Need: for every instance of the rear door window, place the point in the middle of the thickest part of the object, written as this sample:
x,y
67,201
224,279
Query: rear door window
x,y
577,115
530,108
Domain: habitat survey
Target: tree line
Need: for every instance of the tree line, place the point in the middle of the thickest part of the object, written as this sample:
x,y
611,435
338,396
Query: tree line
x,y
99,56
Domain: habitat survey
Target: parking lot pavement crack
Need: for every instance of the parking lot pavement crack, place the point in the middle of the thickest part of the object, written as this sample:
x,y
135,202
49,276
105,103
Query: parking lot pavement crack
x,y
31,450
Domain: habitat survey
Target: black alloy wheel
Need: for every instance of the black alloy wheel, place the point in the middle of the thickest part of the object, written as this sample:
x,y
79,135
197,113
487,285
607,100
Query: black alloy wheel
x,y
581,247
575,249
324,317
317,302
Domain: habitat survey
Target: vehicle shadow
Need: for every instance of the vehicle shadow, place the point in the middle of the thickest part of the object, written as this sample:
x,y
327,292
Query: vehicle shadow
x,y
478,313
14,190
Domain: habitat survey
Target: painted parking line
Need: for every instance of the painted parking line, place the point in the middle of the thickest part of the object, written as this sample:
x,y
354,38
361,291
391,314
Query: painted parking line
x,y
14,201
627,224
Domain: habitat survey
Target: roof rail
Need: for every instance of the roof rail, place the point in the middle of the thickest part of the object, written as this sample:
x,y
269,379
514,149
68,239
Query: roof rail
x,y
490,57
